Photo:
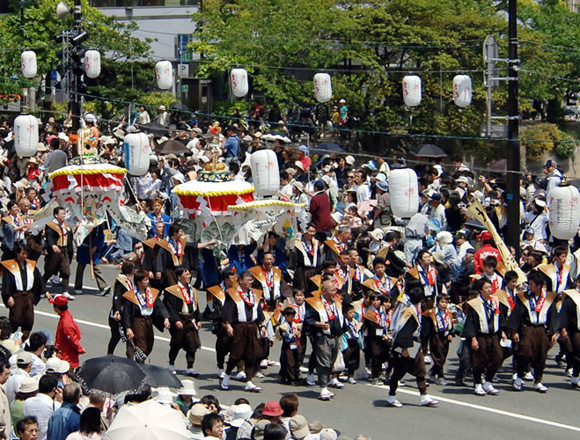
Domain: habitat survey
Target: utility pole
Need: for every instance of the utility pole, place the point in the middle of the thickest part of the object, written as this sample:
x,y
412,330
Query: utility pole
x,y
512,236
75,76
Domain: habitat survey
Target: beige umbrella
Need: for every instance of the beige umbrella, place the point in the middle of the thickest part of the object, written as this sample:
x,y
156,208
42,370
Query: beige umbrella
x,y
149,420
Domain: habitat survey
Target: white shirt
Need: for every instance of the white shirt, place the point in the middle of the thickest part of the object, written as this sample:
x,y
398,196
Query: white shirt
x,y
363,192
42,407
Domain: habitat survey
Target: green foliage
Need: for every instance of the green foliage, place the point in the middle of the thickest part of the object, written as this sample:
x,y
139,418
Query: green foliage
x,y
367,46
539,139
41,25
566,147
154,99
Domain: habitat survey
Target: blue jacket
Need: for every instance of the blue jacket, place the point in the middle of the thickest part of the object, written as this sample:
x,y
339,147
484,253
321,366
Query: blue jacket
x,y
63,421
97,240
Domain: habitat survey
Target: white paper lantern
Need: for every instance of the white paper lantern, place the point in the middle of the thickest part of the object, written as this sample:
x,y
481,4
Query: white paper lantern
x,y
164,72
404,191
239,82
26,135
28,64
322,87
462,90
265,172
412,90
564,212
137,153
92,63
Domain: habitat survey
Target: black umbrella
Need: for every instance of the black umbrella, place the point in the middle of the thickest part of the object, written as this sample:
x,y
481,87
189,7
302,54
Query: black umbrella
x,y
328,147
180,106
155,128
160,377
112,374
172,147
429,150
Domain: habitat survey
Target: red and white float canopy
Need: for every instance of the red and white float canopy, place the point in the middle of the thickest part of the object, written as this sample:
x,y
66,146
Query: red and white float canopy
x,y
95,178
196,196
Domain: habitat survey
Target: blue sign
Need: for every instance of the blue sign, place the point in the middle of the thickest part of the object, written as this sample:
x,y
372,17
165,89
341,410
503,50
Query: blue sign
x,y
181,51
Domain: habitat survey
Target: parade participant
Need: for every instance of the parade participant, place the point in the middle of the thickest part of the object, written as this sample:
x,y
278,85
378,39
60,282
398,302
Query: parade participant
x,y
158,216
325,321
534,323
376,336
215,299
351,342
360,273
243,317
59,249
307,256
489,272
380,283
13,229
438,328
328,268
22,287
487,249
483,327
269,278
123,283
151,250
338,243
558,271
570,329
141,309
428,277
68,334
91,249
407,356
299,304
289,333
181,303
171,255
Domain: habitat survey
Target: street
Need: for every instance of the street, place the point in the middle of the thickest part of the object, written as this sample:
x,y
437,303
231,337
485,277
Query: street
x,y
360,408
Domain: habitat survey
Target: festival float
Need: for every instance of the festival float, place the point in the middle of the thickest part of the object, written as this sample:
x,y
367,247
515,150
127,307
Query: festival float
x,y
90,191
226,209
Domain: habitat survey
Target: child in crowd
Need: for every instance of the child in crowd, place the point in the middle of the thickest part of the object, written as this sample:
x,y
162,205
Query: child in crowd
x,y
438,329
289,333
351,342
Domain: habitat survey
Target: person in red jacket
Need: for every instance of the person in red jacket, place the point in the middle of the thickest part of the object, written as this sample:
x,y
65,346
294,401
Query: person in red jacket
x,y
487,250
320,210
68,333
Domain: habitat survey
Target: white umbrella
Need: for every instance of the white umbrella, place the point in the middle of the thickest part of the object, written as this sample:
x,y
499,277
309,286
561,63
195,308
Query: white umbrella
x,y
149,420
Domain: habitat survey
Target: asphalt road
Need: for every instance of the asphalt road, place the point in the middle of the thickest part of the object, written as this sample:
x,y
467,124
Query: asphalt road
x,y
361,408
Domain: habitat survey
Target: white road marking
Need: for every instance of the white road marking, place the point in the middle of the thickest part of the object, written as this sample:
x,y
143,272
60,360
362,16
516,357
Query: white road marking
x,y
487,409
402,391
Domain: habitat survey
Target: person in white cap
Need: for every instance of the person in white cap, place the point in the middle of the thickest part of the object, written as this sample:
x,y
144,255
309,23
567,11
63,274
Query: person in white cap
x,y
163,117
537,218
24,364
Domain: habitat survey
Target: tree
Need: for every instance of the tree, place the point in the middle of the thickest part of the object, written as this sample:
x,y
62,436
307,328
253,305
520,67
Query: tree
x,y
113,39
368,46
